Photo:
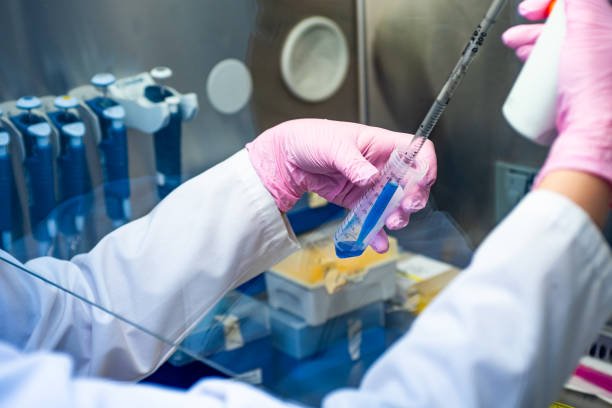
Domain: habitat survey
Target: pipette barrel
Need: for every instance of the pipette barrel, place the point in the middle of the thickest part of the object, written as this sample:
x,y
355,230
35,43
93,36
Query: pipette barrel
x,y
42,185
167,142
117,183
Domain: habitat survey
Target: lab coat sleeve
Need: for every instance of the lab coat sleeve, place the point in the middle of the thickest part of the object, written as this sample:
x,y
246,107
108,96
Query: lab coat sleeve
x,y
41,379
163,271
509,330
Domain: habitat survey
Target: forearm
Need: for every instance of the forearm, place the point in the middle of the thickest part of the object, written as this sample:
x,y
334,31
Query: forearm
x,y
589,192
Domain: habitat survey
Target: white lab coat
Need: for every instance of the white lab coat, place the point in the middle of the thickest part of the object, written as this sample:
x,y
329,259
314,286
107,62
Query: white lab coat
x,y
507,332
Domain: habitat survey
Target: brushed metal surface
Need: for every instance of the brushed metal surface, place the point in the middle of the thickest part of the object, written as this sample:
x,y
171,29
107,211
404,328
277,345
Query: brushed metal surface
x,y
272,101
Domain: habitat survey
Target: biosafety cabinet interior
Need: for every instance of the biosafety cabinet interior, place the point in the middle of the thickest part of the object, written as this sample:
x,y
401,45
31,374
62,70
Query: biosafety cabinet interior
x,y
397,55
108,106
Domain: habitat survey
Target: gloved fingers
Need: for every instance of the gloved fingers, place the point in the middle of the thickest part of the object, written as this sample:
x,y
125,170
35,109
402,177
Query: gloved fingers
x,y
522,35
416,197
413,201
523,52
377,144
398,219
356,168
428,155
380,242
534,9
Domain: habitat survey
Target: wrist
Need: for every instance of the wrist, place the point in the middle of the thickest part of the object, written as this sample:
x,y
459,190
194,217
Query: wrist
x,y
583,149
268,164
588,191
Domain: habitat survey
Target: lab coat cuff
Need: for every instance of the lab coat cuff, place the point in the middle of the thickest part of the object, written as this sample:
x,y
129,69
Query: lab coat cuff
x,y
564,214
557,213
279,239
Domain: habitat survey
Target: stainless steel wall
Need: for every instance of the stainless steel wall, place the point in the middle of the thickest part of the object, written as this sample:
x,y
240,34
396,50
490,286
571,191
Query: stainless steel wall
x,y
412,46
51,46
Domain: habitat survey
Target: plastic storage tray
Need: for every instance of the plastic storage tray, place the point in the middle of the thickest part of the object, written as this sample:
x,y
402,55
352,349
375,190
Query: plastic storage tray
x,y
315,305
295,337
235,321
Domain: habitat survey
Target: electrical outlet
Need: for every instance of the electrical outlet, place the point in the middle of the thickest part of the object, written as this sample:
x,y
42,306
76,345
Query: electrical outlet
x,y
512,183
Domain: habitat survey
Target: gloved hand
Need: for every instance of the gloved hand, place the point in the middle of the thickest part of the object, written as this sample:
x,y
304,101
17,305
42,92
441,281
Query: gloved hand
x,y
523,37
584,106
337,160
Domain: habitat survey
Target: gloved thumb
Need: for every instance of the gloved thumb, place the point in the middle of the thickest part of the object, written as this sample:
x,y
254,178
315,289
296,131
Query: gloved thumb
x,y
356,168
380,242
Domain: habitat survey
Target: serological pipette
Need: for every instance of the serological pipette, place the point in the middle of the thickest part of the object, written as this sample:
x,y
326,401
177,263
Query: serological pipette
x,y
401,171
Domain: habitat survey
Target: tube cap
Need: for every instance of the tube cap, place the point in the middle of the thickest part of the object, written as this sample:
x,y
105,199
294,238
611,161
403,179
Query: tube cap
x,y
28,102
103,79
161,73
65,102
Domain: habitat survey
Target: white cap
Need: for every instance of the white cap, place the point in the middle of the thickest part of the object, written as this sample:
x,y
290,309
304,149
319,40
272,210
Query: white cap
x,y
161,73
28,102
75,129
115,112
41,129
65,102
103,79
173,100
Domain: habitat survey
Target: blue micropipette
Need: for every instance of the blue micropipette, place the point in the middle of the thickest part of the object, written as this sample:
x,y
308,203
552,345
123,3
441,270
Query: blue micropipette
x,y
114,150
6,189
38,164
72,166
368,216
167,140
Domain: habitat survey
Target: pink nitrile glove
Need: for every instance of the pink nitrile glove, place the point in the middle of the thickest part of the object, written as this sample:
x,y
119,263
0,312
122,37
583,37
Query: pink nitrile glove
x,y
522,38
584,105
337,160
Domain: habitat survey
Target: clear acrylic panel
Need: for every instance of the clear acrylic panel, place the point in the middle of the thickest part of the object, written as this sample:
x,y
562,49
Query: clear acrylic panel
x,y
253,333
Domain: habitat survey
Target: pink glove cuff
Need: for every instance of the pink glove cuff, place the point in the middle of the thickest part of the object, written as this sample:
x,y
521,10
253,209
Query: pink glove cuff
x,y
269,173
590,153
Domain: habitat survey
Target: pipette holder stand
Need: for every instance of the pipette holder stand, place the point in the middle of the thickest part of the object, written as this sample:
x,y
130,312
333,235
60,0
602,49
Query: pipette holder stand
x,y
158,110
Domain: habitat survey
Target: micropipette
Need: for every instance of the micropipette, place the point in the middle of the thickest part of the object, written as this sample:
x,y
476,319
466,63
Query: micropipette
x,y
400,173
73,172
167,140
114,150
39,170
6,190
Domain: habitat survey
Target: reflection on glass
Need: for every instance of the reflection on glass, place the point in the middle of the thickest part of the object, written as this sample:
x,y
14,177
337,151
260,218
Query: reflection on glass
x,y
251,334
